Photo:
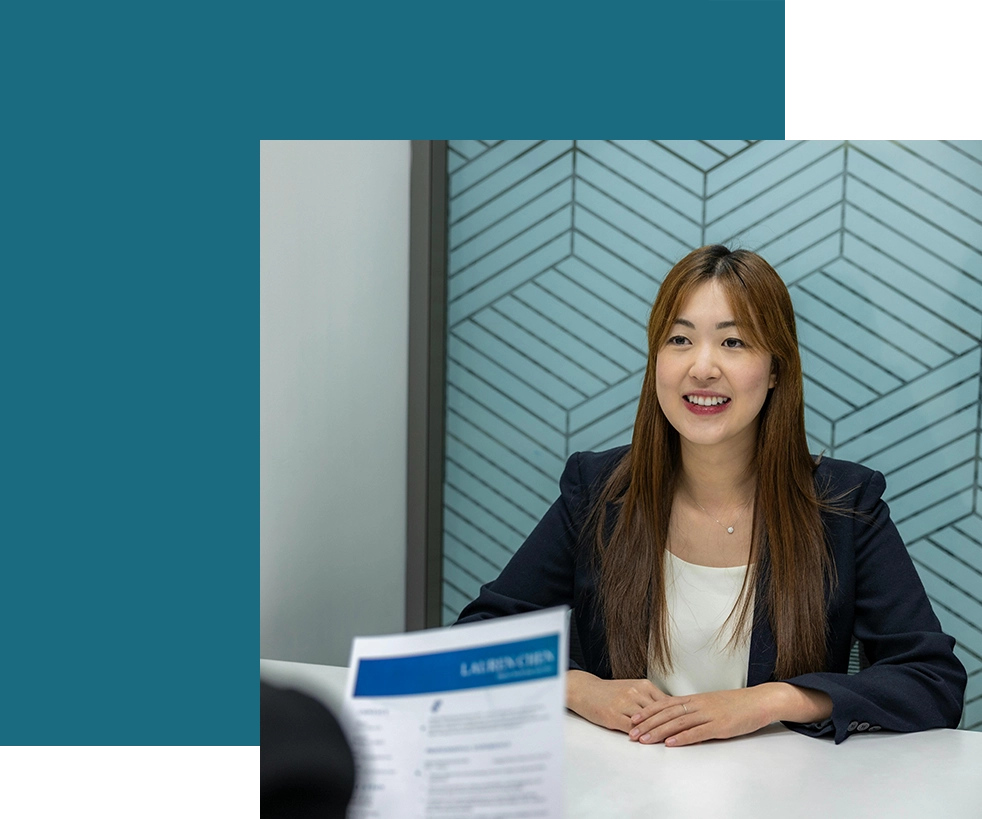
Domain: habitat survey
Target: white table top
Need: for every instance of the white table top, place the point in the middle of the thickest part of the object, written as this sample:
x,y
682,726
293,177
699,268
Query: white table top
x,y
773,772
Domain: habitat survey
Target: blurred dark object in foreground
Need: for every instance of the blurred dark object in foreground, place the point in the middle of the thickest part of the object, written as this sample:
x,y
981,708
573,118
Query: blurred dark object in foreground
x,y
306,768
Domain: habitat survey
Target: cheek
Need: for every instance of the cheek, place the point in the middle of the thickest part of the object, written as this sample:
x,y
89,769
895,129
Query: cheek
x,y
759,383
665,378
760,378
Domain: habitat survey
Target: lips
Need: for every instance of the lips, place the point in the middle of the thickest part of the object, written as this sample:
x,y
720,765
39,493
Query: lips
x,y
706,404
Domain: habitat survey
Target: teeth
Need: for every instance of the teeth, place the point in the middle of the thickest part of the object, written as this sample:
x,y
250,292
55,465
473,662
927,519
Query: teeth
x,y
703,401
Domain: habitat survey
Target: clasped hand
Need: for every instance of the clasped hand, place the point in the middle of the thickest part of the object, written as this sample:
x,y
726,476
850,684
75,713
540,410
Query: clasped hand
x,y
648,715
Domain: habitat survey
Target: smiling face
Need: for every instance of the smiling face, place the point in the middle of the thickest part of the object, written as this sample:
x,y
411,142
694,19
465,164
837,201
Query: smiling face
x,y
711,383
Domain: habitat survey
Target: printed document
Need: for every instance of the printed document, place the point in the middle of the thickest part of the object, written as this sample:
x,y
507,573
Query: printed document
x,y
460,722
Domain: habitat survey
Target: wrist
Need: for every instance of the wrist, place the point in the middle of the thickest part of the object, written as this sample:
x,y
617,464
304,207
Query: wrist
x,y
792,703
575,680
778,702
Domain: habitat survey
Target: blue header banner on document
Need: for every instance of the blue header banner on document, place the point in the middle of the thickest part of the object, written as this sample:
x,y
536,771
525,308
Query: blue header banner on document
x,y
480,667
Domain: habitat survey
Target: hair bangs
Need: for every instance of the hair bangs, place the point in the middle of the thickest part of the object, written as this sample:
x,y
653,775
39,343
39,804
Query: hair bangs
x,y
676,291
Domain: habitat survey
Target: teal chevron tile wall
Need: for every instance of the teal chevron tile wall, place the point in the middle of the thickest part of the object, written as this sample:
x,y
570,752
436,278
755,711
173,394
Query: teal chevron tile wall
x,y
556,251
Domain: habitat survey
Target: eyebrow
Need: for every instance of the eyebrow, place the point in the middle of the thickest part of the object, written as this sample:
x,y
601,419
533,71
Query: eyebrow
x,y
720,326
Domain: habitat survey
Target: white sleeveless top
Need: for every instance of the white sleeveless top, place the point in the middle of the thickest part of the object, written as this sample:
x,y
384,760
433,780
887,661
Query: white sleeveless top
x,y
700,598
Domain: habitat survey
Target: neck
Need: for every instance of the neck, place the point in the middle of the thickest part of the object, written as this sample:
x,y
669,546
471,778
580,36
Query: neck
x,y
718,477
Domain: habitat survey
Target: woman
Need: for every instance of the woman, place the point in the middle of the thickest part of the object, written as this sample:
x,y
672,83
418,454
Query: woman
x,y
719,573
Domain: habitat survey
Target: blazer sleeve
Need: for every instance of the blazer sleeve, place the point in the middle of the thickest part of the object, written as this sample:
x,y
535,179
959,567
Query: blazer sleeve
x,y
915,681
541,574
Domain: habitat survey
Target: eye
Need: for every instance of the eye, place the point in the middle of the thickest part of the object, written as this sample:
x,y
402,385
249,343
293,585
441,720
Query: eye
x,y
733,343
676,341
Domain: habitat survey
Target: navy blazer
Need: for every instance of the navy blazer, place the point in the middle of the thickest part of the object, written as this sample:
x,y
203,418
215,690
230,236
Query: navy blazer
x,y
914,682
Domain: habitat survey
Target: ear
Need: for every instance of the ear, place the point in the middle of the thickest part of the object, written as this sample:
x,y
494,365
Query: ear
x,y
773,381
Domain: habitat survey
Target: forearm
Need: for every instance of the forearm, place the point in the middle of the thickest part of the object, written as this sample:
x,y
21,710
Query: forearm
x,y
792,703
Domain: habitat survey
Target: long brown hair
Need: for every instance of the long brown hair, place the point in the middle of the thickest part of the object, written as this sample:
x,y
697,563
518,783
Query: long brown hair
x,y
789,561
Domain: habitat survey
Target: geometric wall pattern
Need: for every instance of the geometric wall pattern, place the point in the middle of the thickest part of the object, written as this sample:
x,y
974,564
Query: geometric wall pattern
x,y
556,251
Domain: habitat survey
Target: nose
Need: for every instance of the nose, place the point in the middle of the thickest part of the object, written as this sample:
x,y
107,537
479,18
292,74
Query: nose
x,y
704,365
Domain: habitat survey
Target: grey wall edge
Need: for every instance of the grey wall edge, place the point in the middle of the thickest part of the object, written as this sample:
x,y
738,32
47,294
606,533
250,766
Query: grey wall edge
x,y
427,366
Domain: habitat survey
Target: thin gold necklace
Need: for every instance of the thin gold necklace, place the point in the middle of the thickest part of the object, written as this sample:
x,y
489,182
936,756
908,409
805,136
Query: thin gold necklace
x,y
729,529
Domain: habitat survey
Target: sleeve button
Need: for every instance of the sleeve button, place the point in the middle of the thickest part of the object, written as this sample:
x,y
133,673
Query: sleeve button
x,y
873,728
862,726
852,726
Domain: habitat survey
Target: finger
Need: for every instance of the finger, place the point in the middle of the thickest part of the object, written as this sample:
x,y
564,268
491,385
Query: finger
x,y
675,727
693,736
654,729
634,707
646,711
647,729
620,722
654,708
652,691
645,696
657,734
654,721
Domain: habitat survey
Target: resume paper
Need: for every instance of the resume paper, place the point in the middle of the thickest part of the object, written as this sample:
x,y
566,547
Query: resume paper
x,y
460,722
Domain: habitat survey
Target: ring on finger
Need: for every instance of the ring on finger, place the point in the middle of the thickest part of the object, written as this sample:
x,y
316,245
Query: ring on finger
x,y
684,709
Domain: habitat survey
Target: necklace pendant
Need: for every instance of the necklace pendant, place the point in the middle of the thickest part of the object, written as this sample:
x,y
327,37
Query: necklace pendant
x,y
729,529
